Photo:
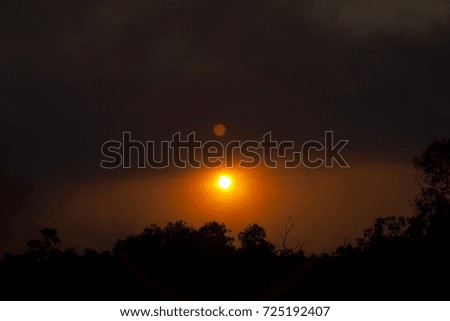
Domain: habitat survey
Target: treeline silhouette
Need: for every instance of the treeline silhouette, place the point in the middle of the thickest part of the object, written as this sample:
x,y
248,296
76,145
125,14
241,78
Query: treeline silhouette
x,y
397,258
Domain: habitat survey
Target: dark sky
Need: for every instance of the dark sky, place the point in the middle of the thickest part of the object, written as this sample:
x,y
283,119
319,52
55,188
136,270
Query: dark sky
x,y
74,74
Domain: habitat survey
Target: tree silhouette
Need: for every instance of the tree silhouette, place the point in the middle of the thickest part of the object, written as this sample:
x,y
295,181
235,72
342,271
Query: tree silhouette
x,y
288,246
433,166
214,240
253,239
216,233
387,234
430,225
44,248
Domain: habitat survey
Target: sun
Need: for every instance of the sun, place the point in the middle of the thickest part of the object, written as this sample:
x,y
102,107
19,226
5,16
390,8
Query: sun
x,y
224,182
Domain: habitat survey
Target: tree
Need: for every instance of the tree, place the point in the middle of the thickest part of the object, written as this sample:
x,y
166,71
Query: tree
x,y
44,248
430,225
253,238
287,246
387,234
433,168
216,233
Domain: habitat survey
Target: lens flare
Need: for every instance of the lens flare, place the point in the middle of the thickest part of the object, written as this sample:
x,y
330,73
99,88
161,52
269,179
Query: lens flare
x,y
219,129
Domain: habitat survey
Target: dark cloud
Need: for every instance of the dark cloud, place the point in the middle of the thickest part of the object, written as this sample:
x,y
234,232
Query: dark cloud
x,y
412,16
76,73
18,153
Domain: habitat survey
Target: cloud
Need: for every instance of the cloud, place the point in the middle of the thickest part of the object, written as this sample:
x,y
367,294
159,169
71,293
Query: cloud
x,y
413,17
78,73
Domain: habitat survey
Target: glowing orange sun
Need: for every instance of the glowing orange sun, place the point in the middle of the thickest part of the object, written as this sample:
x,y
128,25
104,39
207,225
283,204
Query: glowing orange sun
x,y
225,183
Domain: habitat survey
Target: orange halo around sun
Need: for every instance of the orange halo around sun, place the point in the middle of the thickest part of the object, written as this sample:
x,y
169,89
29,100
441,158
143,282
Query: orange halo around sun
x,y
235,193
